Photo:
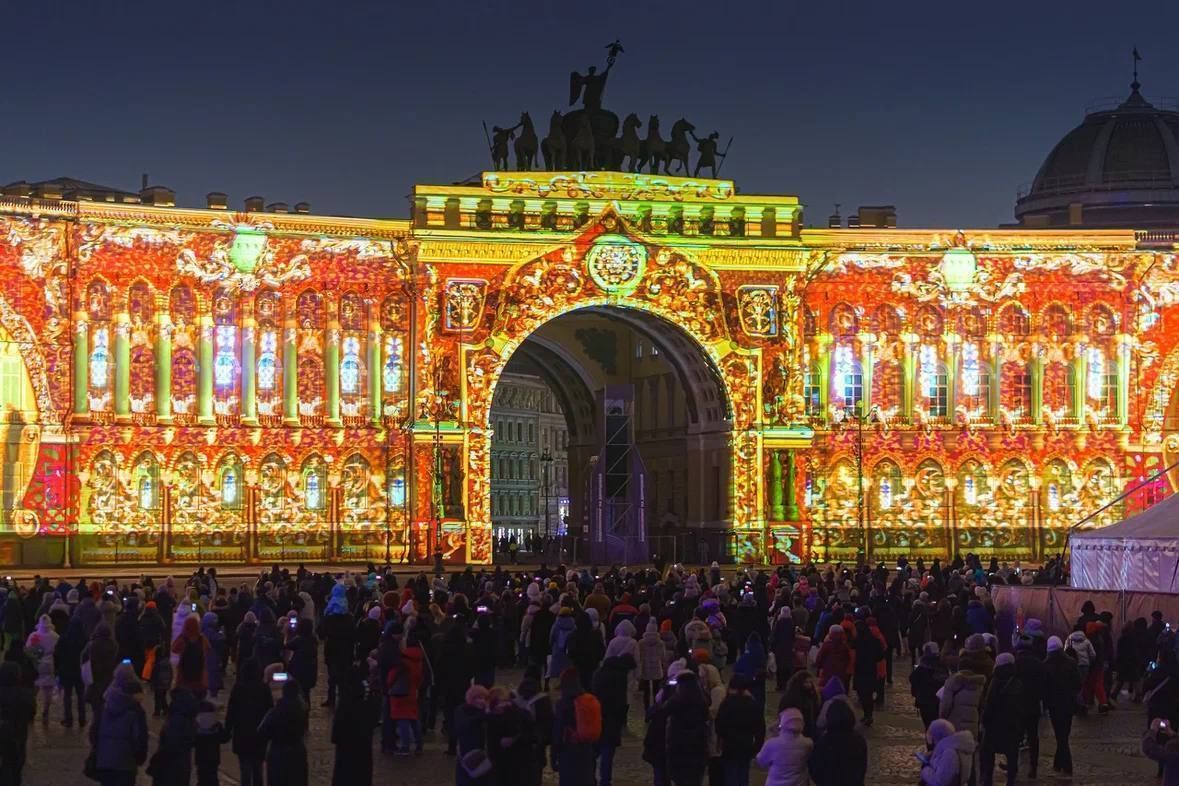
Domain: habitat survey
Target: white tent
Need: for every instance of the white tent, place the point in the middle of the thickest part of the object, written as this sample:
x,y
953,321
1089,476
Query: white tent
x,y
1140,553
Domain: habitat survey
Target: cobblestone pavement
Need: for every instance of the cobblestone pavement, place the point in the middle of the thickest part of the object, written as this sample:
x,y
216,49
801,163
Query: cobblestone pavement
x,y
1105,748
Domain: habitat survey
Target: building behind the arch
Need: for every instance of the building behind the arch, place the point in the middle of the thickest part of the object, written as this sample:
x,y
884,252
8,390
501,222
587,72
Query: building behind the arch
x,y
212,386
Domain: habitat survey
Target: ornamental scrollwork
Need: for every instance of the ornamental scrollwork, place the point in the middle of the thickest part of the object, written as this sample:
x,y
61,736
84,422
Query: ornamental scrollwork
x,y
757,309
464,300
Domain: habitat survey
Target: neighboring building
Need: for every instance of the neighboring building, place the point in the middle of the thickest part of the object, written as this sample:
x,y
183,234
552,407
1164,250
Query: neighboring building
x,y
527,426
1118,168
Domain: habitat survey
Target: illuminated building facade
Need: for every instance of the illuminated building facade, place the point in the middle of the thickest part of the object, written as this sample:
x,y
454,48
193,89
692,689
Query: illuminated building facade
x,y
208,386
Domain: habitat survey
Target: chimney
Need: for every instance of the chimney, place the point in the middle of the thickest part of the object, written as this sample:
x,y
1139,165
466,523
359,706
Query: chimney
x,y
215,200
254,204
277,207
835,221
160,196
143,182
302,207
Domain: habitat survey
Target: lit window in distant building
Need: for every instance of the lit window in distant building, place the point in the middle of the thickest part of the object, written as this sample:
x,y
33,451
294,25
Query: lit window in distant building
x,y
268,360
391,373
225,359
849,376
885,493
350,367
100,359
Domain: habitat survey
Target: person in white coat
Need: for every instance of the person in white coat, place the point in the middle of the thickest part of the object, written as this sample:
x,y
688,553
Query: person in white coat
x,y
40,646
951,760
786,755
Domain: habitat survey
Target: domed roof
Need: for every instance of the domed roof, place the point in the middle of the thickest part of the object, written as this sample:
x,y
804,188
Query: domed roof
x,y
1120,165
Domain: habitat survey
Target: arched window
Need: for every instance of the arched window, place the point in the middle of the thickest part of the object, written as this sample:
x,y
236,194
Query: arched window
x,y
353,347
973,485
392,378
101,360
146,477
845,322
314,475
267,312
350,367
355,479
182,307
1057,322
976,378
141,309
396,490
887,483
1014,321
230,483
886,321
1058,485
224,344
310,319
810,327
272,483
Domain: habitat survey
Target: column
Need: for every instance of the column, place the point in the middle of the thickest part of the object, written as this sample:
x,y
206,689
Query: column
x,y
290,374
249,365
866,368
163,362
1079,367
376,368
331,363
995,391
909,386
792,512
953,347
81,364
1036,366
122,328
823,344
205,371
777,506
1123,401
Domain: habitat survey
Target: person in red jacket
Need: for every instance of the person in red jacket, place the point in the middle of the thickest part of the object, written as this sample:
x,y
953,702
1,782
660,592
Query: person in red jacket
x,y
403,684
834,658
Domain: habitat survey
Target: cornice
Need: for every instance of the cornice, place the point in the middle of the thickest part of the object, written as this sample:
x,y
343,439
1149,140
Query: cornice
x,y
916,241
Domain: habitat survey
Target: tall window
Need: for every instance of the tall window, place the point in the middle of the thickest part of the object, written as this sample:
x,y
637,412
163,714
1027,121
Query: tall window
x,y
350,366
141,305
268,360
849,377
267,310
976,381
933,382
812,393
230,483
225,360
225,351
1022,393
182,308
314,477
392,357
98,310
354,327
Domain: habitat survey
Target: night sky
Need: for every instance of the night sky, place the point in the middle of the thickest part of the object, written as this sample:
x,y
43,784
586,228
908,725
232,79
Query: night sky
x,y
941,108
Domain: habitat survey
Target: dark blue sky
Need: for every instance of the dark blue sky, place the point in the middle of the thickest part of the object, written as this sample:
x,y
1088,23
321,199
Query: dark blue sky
x,y
942,108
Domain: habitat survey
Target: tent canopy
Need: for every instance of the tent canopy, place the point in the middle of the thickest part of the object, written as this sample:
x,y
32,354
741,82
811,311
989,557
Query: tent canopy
x,y
1139,553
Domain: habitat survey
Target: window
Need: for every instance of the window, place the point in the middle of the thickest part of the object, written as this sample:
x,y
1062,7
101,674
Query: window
x,y
147,493
531,433
812,393
312,492
976,381
1101,384
933,382
397,490
350,367
230,493
849,376
225,358
1022,393
100,358
268,360
391,373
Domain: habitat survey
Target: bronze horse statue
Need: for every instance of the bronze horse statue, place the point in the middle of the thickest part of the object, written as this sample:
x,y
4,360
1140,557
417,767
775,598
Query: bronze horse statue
x,y
679,147
526,144
553,146
582,147
629,145
653,149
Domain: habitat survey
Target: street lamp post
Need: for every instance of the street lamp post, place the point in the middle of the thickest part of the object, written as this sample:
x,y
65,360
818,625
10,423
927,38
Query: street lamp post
x,y
862,512
546,460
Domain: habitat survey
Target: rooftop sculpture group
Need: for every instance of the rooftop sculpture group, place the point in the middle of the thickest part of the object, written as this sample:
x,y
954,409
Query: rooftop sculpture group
x,y
588,138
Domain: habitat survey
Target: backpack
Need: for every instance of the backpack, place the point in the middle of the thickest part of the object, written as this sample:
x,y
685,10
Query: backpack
x,y
192,660
587,716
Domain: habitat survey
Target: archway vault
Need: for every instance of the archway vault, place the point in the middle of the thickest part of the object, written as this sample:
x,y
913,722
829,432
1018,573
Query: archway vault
x,y
607,268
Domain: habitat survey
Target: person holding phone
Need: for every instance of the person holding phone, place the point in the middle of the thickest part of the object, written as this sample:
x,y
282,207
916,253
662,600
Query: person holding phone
x,y
950,758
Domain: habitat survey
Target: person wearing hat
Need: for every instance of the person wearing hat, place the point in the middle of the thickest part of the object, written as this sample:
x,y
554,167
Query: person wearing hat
x,y
1002,718
1029,667
119,737
962,697
740,730
1062,683
951,755
786,755
926,680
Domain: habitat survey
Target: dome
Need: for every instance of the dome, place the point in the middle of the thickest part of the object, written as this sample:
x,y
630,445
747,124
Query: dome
x,y
1118,168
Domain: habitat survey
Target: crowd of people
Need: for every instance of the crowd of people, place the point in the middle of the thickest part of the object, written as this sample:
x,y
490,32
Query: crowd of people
x,y
696,654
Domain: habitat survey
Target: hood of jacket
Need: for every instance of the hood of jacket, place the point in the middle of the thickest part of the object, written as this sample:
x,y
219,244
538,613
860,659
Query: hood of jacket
x,y
961,742
118,703
1077,637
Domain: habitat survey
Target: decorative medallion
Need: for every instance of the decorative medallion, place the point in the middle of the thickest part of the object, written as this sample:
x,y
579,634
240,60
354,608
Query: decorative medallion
x,y
757,306
245,262
464,303
616,263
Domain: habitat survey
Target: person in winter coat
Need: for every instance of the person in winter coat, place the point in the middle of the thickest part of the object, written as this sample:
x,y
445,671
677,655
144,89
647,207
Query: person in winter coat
x,y
249,702
610,684
285,728
17,708
752,664
129,636
454,673
1160,744
511,738
786,755
244,638
119,735
267,639
559,636
925,681
1129,662
352,731
171,764
1062,682
951,755
687,731
539,705
40,646
539,633
802,694
782,645
653,664
834,658
191,651
740,730
573,758
210,734
211,630
403,686
841,753
303,665
67,663
869,651
470,721
337,630
1030,670
103,656
961,700
1002,720
585,648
